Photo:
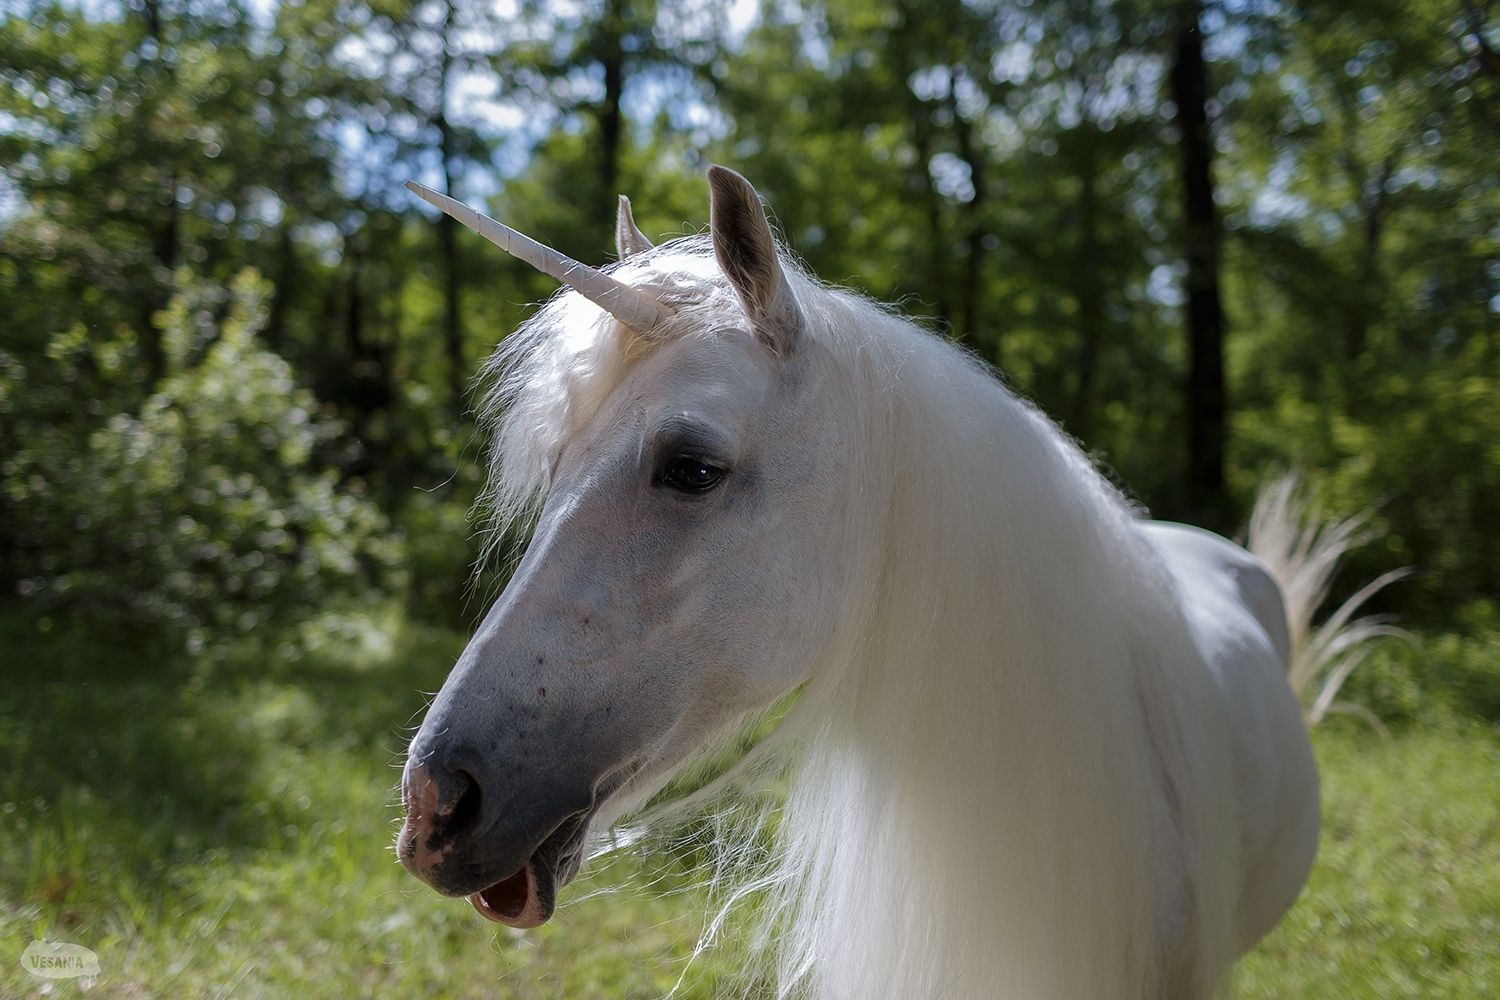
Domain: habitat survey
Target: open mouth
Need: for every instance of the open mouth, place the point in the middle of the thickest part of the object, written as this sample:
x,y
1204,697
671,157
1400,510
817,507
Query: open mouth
x,y
527,897
515,901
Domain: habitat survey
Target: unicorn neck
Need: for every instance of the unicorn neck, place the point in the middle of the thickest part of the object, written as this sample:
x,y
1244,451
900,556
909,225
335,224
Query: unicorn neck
x,y
974,813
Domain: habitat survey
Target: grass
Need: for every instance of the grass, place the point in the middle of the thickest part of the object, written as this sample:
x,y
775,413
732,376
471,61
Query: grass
x,y
221,827
1405,898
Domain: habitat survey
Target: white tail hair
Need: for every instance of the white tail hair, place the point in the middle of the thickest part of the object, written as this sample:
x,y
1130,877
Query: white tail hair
x,y
1303,552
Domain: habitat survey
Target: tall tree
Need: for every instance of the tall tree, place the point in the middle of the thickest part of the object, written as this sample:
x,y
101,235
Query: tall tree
x,y
577,70
1207,424
453,334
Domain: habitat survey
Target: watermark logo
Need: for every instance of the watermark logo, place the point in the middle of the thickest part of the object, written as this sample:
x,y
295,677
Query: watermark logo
x,y
61,960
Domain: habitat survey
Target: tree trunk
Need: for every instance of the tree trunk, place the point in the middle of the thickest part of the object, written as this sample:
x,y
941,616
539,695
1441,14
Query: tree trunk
x,y
164,236
1090,292
936,279
368,387
1374,198
354,339
453,337
1207,427
937,253
611,119
972,325
286,271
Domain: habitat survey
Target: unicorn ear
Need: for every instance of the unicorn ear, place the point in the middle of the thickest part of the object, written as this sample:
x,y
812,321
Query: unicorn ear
x,y
629,240
746,252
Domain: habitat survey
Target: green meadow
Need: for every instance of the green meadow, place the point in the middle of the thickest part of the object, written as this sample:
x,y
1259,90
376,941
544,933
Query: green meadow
x,y
220,825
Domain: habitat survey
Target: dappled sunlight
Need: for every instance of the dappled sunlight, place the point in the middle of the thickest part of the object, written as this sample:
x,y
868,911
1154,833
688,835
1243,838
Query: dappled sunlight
x,y
229,823
249,383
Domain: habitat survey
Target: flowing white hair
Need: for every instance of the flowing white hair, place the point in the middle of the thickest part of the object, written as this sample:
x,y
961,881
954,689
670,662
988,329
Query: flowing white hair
x,y
1001,745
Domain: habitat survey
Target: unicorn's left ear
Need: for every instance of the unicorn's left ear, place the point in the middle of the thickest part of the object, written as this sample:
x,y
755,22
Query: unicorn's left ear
x,y
629,240
746,252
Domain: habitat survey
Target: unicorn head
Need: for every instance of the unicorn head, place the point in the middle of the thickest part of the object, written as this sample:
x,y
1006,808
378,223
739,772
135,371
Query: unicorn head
x,y
669,420
1006,768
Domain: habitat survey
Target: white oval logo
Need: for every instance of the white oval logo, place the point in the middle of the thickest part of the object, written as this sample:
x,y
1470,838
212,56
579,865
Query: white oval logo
x,y
61,960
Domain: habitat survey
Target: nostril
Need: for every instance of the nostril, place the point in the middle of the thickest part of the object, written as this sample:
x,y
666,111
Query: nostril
x,y
465,809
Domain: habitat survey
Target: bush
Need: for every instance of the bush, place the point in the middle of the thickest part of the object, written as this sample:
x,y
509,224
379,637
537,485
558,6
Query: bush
x,y
440,553
1436,675
217,505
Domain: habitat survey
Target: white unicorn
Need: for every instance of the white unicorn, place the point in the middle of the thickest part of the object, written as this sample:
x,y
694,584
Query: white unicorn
x,y
1041,747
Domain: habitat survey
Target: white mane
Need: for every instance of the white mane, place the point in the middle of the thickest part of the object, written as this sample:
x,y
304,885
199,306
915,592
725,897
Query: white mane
x,y
965,815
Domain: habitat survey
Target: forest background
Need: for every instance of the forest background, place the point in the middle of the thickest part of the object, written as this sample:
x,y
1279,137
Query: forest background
x,y
1214,240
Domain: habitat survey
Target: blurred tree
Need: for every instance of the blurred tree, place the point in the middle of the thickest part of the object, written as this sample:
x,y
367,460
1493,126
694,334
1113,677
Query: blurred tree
x,y
119,147
1049,264
598,80
443,42
1363,258
1016,174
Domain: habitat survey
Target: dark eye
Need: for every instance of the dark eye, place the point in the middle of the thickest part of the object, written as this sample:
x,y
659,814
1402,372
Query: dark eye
x,y
691,475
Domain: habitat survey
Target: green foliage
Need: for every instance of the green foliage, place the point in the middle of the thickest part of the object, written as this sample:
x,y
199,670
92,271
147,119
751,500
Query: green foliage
x,y
215,505
1362,267
1448,675
438,561
1008,172
192,456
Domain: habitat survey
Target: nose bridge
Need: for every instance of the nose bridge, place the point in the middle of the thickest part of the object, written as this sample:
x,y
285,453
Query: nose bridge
x,y
535,698
536,718
561,607
559,572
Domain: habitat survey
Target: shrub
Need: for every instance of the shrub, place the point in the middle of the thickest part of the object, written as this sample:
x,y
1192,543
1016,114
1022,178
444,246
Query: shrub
x,y
216,505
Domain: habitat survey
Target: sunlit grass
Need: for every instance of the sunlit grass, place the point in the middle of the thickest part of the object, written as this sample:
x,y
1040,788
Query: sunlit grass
x,y
1405,898
223,827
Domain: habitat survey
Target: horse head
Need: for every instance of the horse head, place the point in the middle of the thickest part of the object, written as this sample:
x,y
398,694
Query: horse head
x,y
684,451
